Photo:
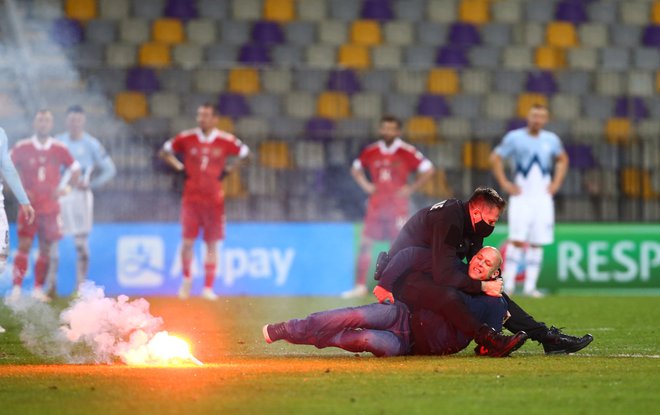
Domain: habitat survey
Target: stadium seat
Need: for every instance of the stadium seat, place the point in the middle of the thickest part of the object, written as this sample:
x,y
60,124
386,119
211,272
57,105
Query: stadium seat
x,y
134,31
630,107
267,106
267,33
154,54
100,32
431,33
635,12
345,10
221,55
466,106
541,82
321,56
165,104
188,55
561,34
246,9
142,80
181,9
625,35
499,106
319,129
571,11
419,57
254,54
366,105
476,81
114,9
300,104
279,10
379,81
403,105
233,105
333,105
525,102
517,57
539,12
354,56
287,55
233,186
168,31
354,128
225,124
201,31
640,83
506,11
438,187
609,83
333,32
651,36
636,183
366,33
421,130
149,10
345,80
433,106
597,107
496,34
253,128
548,57
646,58
443,81
212,9
131,106
301,33
398,33
593,35
243,81
386,57
509,82
463,34
583,58
454,128
565,107
655,13
485,57
80,9
377,10
276,80
275,154
312,10
309,155
618,130
474,11
443,11
66,32
452,56
615,58
487,129
310,80
119,55
476,155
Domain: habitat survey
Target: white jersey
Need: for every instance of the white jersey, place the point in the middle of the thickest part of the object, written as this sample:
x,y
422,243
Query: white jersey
x,y
533,158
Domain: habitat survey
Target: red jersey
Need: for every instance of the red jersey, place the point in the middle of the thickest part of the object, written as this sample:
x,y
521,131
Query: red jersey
x,y
204,159
390,167
40,165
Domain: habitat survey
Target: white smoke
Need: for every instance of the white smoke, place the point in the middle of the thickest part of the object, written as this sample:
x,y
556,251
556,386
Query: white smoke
x,y
94,329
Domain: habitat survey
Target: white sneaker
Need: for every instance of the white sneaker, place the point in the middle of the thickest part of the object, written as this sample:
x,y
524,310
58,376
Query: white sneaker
x,y
2,329
15,294
357,292
184,289
534,294
208,294
39,294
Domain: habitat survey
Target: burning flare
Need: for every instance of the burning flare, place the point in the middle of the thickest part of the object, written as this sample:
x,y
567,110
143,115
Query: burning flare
x,y
162,350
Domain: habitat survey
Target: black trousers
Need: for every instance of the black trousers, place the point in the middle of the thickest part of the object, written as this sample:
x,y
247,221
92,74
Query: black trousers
x,y
418,291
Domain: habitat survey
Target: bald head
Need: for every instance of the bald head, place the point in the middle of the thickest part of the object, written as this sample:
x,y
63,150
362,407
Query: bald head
x,y
485,264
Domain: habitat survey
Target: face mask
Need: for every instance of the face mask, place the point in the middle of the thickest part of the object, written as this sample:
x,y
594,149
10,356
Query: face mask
x,y
483,229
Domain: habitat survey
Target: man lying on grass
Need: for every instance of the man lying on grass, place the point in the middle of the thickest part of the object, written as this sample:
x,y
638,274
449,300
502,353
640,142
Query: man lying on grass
x,y
393,330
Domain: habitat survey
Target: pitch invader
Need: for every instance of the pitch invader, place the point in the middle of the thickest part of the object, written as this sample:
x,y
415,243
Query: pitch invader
x,y
390,161
40,160
205,150
540,163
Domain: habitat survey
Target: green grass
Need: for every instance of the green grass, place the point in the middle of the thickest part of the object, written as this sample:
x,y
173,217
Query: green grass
x,y
618,373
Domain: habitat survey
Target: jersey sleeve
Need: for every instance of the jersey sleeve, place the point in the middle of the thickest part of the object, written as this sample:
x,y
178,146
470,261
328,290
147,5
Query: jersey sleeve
x,y
416,161
362,160
104,164
557,146
236,147
174,144
67,159
506,147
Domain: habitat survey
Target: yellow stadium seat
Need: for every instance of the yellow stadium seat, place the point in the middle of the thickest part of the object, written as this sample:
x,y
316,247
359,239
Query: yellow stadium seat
x,y
548,57
233,186
618,130
279,10
437,187
244,81
80,9
225,124
637,183
476,155
131,105
275,154
422,130
526,100
366,32
657,81
155,55
443,81
169,31
333,105
655,13
561,34
354,56
474,11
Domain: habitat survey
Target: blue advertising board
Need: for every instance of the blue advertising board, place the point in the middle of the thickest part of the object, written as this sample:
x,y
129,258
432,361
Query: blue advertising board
x,y
255,259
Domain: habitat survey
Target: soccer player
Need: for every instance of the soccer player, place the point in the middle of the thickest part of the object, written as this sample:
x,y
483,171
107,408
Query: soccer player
x,y
392,330
39,161
540,164
77,206
205,150
390,161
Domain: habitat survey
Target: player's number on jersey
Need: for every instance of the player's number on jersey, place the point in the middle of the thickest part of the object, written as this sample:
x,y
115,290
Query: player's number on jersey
x,y
41,173
385,175
205,162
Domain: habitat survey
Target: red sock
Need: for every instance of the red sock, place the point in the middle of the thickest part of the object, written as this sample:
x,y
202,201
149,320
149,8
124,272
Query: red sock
x,y
364,260
209,274
20,267
186,263
40,270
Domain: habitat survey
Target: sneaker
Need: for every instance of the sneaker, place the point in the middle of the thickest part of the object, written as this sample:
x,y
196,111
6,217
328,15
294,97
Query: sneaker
x,y
39,294
381,262
557,342
357,292
2,329
495,344
534,294
15,294
184,290
274,332
208,294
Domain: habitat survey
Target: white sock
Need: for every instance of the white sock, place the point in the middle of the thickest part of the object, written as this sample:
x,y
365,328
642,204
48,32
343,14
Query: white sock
x,y
514,257
533,269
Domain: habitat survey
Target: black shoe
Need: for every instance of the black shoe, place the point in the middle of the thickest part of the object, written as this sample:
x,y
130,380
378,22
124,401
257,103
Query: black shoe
x,y
556,342
381,262
274,332
493,344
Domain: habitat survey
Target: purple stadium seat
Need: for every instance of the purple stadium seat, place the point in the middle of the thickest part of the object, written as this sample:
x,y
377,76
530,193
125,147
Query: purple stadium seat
x,y
320,129
633,107
433,106
377,10
181,9
344,80
233,105
66,32
143,80
515,123
571,11
267,33
452,56
651,36
464,34
542,82
254,54
581,156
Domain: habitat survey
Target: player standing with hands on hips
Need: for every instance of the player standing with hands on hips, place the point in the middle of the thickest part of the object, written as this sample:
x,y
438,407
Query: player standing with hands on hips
x,y
540,164
205,150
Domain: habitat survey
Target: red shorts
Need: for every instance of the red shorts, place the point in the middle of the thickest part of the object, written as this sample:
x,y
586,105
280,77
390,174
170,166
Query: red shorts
x,y
383,222
47,226
210,217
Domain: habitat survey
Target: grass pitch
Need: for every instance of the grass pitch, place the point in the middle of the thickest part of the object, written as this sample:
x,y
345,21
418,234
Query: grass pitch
x,y
618,373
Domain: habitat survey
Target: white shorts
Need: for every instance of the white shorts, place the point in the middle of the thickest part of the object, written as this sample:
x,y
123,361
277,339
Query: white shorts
x,y
4,232
77,211
532,219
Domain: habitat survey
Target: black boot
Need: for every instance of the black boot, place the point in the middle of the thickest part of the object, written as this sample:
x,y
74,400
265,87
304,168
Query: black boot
x,y
556,342
493,344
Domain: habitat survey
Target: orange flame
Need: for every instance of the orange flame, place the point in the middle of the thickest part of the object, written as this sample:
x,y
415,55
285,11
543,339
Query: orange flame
x,y
162,350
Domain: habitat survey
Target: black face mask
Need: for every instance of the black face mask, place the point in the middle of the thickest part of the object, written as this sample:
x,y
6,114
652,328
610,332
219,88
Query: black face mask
x,y
483,229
